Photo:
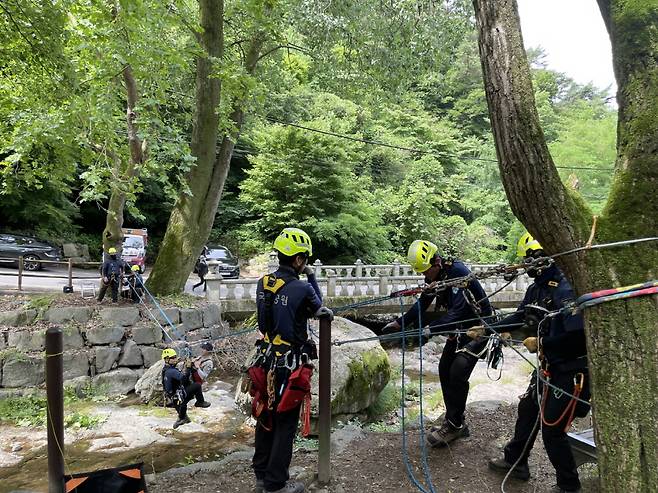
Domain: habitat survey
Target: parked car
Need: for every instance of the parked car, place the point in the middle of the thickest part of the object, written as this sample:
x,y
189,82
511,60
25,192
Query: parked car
x,y
32,250
222,261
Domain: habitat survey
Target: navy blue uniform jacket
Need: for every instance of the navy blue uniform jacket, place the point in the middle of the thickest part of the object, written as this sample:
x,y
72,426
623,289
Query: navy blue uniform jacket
x,y
172,378
292,306
456,302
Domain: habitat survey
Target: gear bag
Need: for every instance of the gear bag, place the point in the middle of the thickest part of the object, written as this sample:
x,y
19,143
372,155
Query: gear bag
x,y
299,386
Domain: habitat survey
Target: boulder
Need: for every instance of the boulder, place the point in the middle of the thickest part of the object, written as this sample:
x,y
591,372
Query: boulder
x,y
149,386
219,330
105,358
17,318
80,385
132,354
72,337
191,318
173,314
147,334
3,344
105,334
79,314
124,316
117,382
75,365
151,355
71,250
211,315
26,340
359,372
20,370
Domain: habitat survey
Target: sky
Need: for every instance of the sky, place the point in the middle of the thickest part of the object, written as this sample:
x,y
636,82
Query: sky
x,y
573,36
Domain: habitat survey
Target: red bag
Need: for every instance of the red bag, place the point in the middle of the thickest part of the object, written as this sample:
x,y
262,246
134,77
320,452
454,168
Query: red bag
x,y
257,390
299,386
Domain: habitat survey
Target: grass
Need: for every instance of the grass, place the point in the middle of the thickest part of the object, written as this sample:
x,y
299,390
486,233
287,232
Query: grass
x,y
307,444
180,300
387,401
31,410
41,302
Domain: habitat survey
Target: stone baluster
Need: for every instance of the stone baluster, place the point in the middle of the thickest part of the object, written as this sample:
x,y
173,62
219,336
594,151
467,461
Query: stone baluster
x,y
246,291
370,290
331,283
383,285
273,262
230,287
317,266
214,285
343,288
358,268
396,268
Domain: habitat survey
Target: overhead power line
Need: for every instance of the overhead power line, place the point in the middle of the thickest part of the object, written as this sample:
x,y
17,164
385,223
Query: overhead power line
x,y
411,149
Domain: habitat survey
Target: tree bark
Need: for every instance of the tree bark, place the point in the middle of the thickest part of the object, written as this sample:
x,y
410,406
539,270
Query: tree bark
x,y
193,214
122,173
622,347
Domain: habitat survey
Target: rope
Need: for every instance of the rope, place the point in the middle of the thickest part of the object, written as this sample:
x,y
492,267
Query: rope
x,y
423,447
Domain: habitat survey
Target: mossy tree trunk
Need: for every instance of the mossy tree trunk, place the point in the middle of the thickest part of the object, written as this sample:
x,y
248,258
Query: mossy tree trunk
x,y
193,214
124,172
622,335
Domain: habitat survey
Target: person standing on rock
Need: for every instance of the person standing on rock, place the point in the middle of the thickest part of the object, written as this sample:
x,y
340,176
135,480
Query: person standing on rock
x,y
562,348
178,386
284,305
460,353
111,272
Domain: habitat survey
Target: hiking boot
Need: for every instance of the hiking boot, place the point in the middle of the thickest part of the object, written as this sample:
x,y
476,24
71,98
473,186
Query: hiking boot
x,y
290,487
260,486
446,434
202,404
181,422
521,471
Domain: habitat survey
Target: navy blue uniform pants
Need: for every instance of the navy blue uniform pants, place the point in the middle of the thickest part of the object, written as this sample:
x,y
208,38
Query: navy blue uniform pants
x,y
454,371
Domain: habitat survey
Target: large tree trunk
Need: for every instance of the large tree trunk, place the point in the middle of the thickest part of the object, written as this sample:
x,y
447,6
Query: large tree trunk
x,y
123,173
622,335
193,215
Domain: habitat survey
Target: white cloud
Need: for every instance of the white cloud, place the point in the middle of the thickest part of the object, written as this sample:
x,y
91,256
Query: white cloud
x,y
573,35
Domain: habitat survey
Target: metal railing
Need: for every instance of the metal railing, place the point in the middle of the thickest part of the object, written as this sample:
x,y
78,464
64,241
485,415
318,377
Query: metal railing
x,y
69,276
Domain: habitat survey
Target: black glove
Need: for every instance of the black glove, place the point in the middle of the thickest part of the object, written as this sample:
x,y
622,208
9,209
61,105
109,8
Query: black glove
x,y
323,311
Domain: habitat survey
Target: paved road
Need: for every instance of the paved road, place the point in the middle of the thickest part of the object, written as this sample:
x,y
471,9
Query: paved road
x,y
55,278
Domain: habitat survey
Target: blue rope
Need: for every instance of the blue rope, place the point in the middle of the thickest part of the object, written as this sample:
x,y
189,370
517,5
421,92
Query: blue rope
x,y
405,455
423,447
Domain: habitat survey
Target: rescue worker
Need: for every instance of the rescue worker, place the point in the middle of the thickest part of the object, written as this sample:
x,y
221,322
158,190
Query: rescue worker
x,y
284,305
203,364
135,284
460,353
560,341
111,273
178,387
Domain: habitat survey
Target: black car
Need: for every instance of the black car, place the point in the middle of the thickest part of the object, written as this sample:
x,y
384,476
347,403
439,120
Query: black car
x,y
221,261
31,249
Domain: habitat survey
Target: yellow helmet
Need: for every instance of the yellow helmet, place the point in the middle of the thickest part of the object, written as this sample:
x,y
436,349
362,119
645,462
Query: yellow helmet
x,y
135,268
292,241
112,251
525,244
168,353
420,255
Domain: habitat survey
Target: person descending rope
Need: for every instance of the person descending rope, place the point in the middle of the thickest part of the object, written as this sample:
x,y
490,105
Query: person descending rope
x,y
178,387
280,376
460,352
560,341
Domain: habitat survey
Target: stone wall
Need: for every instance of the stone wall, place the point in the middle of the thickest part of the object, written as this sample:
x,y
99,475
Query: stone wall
x,y
103,346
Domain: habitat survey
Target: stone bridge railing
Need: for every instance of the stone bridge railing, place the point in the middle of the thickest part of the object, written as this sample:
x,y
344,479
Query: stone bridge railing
x,y
358,281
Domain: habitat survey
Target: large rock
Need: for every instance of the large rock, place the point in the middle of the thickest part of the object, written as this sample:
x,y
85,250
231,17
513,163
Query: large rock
x,y
79,314
124,316
17,318
173,314
151,355
211,315
191,318
20,370
75,365
105,358
147,334
117,382
105,334
26,340
72,337
132,354
359,372
149,386
3,343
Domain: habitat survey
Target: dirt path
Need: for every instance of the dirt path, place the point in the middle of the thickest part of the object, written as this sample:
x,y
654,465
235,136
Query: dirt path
x,y
374,464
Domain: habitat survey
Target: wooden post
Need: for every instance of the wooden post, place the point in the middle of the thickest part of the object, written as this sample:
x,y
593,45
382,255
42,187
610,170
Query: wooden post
x,y
55,406
20,273
324,405
70,266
